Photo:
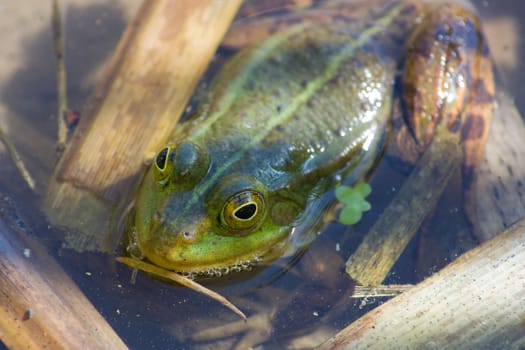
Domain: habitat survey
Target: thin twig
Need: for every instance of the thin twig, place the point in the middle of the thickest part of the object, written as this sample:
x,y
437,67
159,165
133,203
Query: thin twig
x,y
388,290
11,150
58,39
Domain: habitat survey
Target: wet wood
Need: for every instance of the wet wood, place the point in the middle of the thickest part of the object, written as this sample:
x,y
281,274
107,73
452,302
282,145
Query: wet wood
x,y
500,186
477,302
145,89
389,236
40,306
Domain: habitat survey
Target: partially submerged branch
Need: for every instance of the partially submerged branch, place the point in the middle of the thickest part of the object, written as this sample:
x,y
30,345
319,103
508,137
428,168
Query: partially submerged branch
x,y
387,239
475,302
40,306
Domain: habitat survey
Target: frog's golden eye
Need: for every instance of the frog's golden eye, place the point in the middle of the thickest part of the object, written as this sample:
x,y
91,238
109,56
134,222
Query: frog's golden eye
x,y
163,165
243,211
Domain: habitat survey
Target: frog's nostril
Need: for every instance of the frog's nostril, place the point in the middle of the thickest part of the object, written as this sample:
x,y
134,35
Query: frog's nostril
x,y
188,236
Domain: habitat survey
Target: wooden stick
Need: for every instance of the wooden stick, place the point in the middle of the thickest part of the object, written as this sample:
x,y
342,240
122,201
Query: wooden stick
x,y
158,62
499,189
389,290
40,306
387,239
477,302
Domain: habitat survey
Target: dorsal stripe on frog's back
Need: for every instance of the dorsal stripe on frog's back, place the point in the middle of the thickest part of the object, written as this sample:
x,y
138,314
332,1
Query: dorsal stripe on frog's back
x,y
385,16
228,97
287,112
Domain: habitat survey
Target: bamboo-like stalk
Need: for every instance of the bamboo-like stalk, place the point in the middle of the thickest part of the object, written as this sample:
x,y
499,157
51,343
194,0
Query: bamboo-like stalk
x,y
477,302
40,306
148,82
387,239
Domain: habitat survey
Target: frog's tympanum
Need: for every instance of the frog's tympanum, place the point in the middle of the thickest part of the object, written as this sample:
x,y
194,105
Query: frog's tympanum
x,y
289,118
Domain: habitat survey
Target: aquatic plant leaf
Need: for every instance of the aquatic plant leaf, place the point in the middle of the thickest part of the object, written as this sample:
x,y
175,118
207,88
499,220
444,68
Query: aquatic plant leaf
x,y
353,201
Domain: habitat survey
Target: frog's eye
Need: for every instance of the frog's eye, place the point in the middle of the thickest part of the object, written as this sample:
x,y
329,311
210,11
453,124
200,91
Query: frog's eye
x,y
243,211
163,165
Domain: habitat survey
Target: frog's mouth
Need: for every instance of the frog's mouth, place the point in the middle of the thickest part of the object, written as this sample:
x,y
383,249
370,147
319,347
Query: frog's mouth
x,y
238,266
210,254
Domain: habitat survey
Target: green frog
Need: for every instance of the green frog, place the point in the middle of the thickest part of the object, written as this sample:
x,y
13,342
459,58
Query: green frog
x,y
246,177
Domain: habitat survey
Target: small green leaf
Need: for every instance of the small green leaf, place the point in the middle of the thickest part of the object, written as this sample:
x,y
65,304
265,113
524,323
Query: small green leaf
x,y
354,203
349,216
363,188
342,192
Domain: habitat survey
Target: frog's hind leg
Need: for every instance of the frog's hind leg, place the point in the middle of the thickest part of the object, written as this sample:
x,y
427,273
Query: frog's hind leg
x,y
448,86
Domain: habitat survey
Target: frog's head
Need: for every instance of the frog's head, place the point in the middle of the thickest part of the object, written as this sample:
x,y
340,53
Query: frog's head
x,y
189,219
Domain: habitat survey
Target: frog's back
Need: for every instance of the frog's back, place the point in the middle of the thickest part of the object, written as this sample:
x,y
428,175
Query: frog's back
x,y
305,99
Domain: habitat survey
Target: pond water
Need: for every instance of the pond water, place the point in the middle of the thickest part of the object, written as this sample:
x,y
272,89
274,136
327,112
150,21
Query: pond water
x,y
308,302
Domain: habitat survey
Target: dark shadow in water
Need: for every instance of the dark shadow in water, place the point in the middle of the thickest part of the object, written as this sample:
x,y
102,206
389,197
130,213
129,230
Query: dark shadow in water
x,y
91,34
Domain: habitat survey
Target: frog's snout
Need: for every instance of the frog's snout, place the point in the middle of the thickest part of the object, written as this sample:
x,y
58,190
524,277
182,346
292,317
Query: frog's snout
x,y
171,232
